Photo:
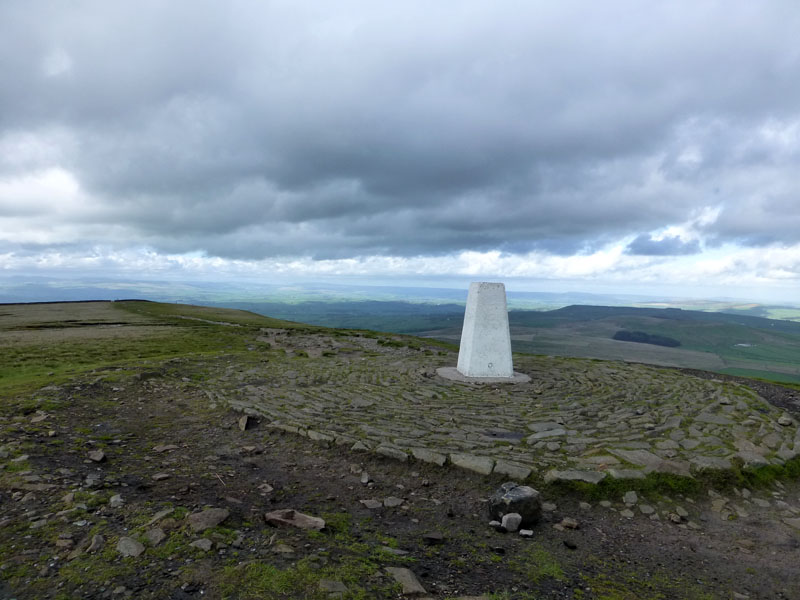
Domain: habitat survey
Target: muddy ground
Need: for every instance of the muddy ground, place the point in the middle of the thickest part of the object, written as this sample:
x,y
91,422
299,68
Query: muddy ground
x,y
56,502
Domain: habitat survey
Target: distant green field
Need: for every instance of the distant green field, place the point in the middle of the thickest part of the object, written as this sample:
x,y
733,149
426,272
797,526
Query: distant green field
x,y
768,375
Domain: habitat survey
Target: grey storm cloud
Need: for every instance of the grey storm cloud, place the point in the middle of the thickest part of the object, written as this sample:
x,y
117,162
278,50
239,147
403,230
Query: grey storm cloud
x,y
252,129
669,246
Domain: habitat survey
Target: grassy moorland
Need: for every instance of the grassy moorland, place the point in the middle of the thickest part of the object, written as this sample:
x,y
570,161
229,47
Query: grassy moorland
x,y
49,343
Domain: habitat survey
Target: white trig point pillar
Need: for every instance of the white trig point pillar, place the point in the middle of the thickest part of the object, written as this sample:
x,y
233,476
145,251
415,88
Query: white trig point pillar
x,y
485,349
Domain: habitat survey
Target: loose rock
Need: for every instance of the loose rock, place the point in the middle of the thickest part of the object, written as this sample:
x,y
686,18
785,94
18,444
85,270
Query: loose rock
x,y
96,543
511,522
97,455
293,518
569,523
203,543
128,546
433,538
407,579
155,536
207,519
514,498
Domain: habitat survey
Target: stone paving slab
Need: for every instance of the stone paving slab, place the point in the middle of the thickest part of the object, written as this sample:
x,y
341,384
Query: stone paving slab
x,y
575,419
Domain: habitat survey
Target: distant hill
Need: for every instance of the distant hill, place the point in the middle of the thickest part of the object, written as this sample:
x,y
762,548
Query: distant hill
x,y
732,343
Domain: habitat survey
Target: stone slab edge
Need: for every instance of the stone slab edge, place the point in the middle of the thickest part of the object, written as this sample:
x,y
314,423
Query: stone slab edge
x,y
452,374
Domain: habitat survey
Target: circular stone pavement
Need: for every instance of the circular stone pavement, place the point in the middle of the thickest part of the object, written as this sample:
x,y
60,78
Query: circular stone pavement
x,y
576,419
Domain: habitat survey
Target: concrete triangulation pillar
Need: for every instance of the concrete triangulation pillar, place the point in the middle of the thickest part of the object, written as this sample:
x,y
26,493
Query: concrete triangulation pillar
x,y
485,349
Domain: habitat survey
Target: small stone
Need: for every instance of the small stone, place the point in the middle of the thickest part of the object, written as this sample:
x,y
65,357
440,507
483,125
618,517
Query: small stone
x,y
793,523
294,518
496,525
330,586
785,420
39,417
549,507
211,517
627,513
116,501
605,503
283,549
244,422
128,546
407,579
371,503
569,523
675,518
394,551
478,464
158,516
365,478
682,512
584,506
513,470
97,455
526,533
203,543
164,448
511,522
155,536
646,509
160,476
570,544
428,456
96,543
392,452
630,497
433,538
392,502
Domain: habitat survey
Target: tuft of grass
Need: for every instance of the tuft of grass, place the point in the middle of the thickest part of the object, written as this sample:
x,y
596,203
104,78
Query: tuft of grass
x,y
536,563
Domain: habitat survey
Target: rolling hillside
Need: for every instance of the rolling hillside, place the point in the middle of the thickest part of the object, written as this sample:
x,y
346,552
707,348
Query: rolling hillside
x,y
725,343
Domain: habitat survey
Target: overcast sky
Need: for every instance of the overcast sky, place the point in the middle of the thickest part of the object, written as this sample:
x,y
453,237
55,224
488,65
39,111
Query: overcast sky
x,y
585,145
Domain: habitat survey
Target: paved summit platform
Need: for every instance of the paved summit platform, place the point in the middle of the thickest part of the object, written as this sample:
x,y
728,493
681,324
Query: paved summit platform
x,y
576,419
453,374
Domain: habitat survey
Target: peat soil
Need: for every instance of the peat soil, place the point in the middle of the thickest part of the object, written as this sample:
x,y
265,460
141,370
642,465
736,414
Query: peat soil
x,y
167,445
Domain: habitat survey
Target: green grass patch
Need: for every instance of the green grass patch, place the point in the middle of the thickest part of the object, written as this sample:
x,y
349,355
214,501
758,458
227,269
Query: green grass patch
x,y
535,563
656,484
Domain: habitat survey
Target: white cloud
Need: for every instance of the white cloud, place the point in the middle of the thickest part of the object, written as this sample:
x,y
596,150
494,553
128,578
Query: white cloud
x,y
57,62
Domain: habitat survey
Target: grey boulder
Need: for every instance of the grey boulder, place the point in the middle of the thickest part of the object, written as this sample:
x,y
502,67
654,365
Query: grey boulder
x,y
514,498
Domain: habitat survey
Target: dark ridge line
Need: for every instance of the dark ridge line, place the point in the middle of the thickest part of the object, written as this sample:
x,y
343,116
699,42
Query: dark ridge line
x,y
72,302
